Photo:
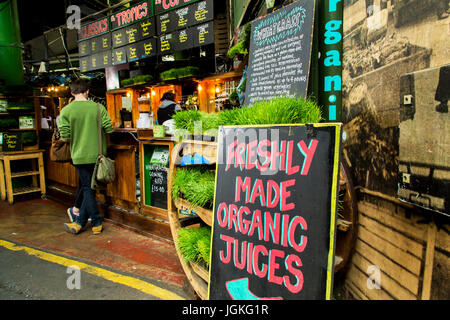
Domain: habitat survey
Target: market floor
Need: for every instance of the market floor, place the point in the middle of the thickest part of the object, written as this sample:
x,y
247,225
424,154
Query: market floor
x,y
35,228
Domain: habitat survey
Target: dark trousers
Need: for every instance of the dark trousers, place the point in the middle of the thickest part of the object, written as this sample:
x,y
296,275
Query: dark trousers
x,y
88,208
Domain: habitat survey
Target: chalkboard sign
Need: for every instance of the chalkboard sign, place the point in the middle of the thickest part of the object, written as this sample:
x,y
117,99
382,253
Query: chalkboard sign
x,y
201,12
105,42
12,141
84,48
147,28
275,212
132,34
96,61
148,48
133,52
105,58
280,52
203,34
183,39
95,45
119,56
166,44
84,64
156,164
166,23
119,38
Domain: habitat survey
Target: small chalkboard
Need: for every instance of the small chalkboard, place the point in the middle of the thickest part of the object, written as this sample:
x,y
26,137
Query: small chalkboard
x,y
12,141
183,39
274,214
203,34
166,44
280,52
201,12
156,164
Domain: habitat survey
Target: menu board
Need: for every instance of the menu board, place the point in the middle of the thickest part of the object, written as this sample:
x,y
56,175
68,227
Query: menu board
x,y
105,42
133,52
105,59
274,217
119,56
166,43
84,64
185,17
146,28
149,48
84,48
161,6
203,34
180,25
135,13
201,12
12,141
165,23
183,39
119,38
280,52
132,34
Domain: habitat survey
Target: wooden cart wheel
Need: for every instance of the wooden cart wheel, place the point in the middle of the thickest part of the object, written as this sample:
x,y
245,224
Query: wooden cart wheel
x,y
347,221
199,277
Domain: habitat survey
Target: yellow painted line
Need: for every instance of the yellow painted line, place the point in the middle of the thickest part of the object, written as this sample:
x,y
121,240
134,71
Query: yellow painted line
x,y
99,272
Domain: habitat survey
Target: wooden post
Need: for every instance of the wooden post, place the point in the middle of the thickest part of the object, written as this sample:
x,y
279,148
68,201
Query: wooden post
x,y
429,261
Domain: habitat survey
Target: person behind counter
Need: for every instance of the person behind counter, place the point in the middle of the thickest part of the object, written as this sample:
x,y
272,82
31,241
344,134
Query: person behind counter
x,y
167,108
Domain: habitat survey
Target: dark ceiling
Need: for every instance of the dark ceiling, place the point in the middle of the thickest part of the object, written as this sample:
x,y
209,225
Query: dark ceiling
x,y
36,17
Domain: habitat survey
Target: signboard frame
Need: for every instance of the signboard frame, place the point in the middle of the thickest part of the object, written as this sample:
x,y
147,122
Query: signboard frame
x,y
335,130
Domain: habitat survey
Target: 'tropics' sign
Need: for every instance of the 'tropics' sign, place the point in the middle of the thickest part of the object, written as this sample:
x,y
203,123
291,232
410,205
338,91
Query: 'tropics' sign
x,y
274,212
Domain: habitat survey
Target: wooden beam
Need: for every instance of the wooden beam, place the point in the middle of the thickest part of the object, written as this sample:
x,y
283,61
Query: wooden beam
x,y
429,261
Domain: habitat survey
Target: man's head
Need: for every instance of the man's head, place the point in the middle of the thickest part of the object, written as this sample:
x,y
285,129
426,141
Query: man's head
x,y
169,95
79,87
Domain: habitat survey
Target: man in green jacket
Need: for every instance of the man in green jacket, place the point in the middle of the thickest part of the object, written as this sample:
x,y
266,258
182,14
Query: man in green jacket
x,y
78,123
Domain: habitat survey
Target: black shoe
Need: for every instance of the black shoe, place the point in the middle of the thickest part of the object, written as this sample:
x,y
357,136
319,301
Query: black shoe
x,y
442,107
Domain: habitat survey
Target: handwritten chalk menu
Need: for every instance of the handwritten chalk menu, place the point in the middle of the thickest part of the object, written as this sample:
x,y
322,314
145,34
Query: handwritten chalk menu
x,y
274,212
201,12
280,52
203,34
12,141
166,43
185,17
156,177
183,39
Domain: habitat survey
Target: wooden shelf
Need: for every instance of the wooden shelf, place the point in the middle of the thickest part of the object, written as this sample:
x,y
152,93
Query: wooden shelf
x,y
24,174
26,190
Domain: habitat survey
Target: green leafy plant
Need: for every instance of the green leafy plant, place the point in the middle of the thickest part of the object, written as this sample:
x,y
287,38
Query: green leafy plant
x,y
194,244
281,110
196,185
243,46
177,73
136,80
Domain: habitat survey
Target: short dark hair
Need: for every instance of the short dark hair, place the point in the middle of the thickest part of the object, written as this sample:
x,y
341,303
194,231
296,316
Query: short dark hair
x,y
79,86
168,96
